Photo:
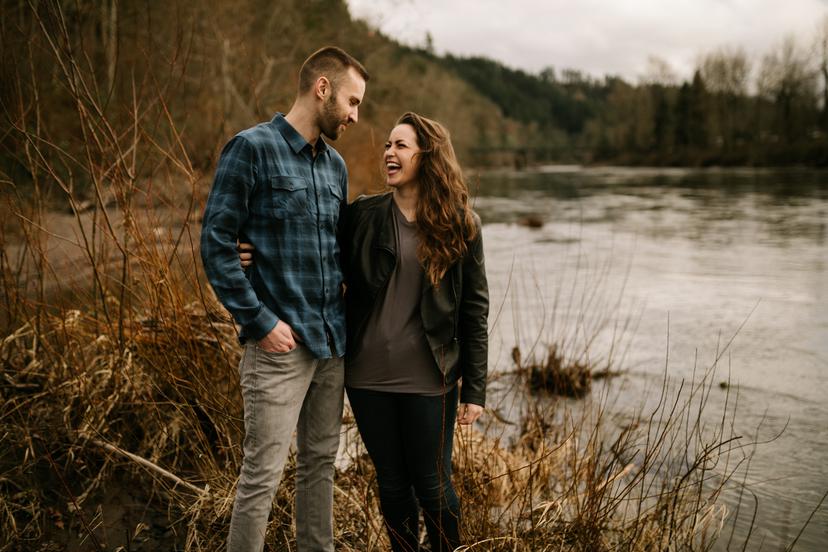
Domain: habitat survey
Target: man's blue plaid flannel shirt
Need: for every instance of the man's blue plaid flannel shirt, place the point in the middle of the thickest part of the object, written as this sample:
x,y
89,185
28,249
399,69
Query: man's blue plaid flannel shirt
x,y
272,192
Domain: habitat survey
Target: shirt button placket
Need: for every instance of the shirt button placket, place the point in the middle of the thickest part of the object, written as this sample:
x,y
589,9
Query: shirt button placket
x,y
321,255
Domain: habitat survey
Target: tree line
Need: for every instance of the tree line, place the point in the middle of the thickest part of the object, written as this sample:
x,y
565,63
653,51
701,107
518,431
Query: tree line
x,y
734,110
211,69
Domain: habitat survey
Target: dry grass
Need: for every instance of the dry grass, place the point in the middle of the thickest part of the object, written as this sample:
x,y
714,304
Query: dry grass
x,y
119,380
80,411
555,374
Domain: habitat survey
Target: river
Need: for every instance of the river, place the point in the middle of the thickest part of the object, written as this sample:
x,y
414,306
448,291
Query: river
x,y
691,265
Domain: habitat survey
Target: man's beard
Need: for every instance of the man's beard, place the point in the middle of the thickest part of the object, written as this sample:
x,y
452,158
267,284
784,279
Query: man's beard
x,y
330,119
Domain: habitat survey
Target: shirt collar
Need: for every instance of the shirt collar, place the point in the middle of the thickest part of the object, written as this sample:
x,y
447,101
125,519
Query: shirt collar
x,y
295,140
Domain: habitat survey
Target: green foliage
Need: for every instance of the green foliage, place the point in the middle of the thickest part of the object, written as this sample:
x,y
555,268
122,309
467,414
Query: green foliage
x,y
712,119
529,98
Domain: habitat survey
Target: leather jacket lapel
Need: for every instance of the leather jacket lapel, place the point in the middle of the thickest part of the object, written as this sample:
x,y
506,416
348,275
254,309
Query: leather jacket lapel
x,y
385,238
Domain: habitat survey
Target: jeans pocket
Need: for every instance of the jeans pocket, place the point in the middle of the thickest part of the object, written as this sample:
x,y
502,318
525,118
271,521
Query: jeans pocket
x,y
276,354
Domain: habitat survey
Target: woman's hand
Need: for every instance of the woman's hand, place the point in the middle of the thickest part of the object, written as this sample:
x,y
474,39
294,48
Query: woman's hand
x,y
468,413
245,254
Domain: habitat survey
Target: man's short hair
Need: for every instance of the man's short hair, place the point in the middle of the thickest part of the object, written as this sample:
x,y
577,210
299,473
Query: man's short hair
x,y
330,62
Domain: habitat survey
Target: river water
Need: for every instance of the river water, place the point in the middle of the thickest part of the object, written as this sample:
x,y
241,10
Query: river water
x,y
676,268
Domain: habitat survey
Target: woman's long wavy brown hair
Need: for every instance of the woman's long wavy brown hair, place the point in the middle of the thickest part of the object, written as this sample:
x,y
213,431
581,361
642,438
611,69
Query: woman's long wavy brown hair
x,y
444,218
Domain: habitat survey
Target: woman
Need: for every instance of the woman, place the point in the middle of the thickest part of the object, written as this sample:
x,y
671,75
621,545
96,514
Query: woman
x,y
417,303
417,307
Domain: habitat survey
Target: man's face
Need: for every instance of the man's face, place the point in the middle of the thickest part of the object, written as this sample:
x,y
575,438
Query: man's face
x,y
341,107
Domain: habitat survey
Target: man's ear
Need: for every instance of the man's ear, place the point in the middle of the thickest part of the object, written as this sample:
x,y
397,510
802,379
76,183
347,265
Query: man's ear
x,y
322,88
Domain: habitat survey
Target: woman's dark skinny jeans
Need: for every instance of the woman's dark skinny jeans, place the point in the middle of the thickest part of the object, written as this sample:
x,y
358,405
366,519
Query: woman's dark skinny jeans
x,y
409,439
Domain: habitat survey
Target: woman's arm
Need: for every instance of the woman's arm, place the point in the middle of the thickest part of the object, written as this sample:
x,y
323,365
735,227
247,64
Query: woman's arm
x,y
473,324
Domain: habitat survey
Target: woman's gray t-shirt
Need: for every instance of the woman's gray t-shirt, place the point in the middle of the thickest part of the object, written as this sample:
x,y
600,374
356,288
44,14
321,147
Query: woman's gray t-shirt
x,y
393,353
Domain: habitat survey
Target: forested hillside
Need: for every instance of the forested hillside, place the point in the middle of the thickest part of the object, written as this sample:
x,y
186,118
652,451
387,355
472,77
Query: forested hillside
x,y
214,68
769,109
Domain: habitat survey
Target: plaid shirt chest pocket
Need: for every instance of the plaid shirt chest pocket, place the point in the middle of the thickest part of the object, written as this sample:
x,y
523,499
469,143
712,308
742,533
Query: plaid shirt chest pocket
x,y
288,197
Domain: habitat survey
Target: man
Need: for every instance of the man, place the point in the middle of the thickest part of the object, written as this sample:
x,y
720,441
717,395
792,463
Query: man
x,y
280,187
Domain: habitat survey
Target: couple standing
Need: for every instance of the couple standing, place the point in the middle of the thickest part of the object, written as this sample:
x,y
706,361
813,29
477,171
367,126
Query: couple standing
x,y
416,304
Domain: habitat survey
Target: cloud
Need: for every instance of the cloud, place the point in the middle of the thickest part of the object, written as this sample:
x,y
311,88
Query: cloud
x,y
596,36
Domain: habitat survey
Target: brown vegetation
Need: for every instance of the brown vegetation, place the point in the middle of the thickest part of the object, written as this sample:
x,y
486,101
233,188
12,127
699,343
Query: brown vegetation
x,y
219,68
81,415
559,375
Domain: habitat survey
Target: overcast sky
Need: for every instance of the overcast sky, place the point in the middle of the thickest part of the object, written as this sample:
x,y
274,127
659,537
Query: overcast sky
x,y
596,36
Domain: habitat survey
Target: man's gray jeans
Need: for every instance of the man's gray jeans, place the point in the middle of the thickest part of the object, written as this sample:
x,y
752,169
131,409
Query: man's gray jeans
x,y
279,390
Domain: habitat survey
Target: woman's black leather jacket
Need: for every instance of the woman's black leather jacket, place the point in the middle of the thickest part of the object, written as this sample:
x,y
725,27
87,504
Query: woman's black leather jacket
x,y
454,314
